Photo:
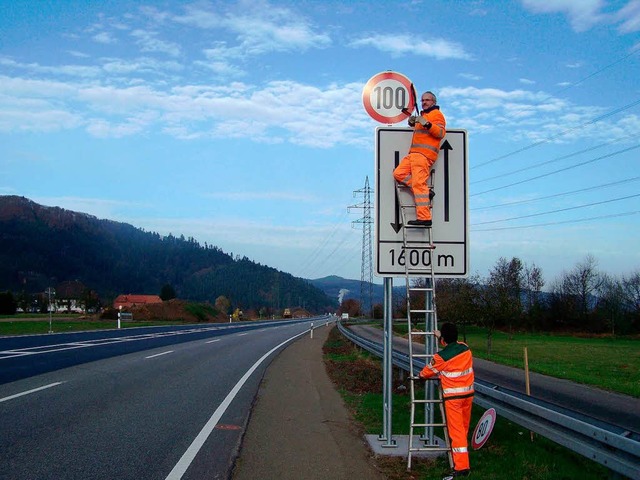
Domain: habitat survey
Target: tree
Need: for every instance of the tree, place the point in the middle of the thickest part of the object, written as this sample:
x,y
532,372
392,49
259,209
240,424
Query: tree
x,y
457,301
505,289
532,286
611,301
167,292
575,293
8,305
350,306
222,304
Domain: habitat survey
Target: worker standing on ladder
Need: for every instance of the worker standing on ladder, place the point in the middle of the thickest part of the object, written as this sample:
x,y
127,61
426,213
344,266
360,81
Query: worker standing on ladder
x,y
453,365
415,167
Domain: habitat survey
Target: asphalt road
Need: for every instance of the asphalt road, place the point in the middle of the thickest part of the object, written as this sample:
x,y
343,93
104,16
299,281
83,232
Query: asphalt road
x,y
168,412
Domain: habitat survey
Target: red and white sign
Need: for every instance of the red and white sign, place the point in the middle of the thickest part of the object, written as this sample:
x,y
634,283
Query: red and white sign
x,y
483,429
386,94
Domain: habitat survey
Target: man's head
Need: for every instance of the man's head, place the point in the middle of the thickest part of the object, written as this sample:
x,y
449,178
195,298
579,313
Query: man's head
x,y
428,100
449,332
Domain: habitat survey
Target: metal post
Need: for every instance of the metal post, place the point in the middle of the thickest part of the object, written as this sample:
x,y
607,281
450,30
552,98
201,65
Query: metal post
x,y
119,314
49,292
311,329
387,365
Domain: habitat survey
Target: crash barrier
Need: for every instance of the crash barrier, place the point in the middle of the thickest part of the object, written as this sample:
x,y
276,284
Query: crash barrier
x,y
607,445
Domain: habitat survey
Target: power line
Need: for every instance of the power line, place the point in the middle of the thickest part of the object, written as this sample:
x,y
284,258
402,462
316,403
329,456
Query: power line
x,y
553,160
564,132
558,210
559,170
537,199
578,220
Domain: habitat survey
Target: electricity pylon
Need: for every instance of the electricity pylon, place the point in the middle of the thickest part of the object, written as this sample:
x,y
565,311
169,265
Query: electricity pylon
x,y
366,274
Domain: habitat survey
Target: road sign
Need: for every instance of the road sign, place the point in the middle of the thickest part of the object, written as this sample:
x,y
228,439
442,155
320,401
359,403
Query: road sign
x,y
483,429
386,94
450,208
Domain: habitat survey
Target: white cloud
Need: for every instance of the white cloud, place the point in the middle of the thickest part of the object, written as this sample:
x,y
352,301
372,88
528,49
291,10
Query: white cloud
x,y
582,14
258,25
149,42
408,45
105,38
629,15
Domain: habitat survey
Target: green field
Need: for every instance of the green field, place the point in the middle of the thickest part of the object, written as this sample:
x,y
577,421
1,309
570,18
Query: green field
x,y
610,363
34,327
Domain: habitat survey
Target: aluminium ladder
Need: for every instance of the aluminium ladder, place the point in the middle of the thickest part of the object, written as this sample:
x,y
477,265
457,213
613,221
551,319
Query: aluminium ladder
x,y
417,244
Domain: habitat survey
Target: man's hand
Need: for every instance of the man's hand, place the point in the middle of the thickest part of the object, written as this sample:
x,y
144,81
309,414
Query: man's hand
x,y
412,121
423,121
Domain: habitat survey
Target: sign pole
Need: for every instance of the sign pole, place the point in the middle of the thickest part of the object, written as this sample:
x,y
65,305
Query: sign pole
x,y
387,366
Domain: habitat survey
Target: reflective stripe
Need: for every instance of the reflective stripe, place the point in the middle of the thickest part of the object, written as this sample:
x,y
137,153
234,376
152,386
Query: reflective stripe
x,y
448,391
434,370
457,374
459,450
424,145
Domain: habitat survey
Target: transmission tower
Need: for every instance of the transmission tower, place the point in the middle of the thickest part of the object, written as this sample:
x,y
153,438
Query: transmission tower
x,y
366,274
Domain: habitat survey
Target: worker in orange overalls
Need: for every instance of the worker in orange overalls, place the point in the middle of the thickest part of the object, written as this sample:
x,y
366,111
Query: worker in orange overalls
x,y
415,167
453,365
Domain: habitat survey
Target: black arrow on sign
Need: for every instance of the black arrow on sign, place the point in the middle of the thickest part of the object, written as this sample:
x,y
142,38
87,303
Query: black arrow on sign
x,y
446,146
396,225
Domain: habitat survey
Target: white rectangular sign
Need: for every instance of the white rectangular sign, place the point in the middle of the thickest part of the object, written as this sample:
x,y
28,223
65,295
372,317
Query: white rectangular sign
x,y
450,208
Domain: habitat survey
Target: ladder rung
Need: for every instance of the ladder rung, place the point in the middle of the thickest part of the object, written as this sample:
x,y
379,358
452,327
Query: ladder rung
x,y
421,289
429,449
423,425
421,355
422,311
425,400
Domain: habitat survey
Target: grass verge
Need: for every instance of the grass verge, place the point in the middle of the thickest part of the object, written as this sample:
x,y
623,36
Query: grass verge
x,y
509,453
35,327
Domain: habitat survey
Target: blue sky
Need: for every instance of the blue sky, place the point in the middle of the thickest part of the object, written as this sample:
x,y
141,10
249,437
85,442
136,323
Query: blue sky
x,y
241,123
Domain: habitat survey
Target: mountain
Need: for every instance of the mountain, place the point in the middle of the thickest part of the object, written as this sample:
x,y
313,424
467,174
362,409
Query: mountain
x,y
44,246
342,289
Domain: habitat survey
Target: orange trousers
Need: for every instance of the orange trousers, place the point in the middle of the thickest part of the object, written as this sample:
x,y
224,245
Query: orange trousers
x,y
458,412
413,171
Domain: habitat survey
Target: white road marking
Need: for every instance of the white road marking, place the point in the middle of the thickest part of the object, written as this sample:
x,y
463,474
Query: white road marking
x,y
159,354
213,341
30,391
188,456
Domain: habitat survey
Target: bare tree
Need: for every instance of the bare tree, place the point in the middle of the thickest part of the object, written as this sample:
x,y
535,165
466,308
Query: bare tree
x,y
611,301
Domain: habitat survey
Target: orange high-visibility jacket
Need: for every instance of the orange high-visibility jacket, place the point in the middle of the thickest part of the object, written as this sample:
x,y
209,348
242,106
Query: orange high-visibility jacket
x,y
454,365
427,142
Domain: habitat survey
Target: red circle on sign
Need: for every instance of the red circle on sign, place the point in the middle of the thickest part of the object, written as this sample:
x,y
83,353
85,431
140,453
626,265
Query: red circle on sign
x,y
483,429
377,108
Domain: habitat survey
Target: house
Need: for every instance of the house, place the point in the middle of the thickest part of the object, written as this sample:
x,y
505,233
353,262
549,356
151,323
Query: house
x,y
130,300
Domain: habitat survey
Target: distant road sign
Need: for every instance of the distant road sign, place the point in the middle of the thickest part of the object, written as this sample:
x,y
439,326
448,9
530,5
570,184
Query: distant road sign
x,y
450,210
385,95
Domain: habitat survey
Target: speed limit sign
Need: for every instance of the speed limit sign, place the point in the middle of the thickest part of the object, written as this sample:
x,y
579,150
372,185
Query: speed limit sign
x,y
385,96
483,429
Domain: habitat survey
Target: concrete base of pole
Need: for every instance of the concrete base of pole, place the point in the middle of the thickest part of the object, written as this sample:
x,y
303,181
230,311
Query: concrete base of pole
x,y
402,447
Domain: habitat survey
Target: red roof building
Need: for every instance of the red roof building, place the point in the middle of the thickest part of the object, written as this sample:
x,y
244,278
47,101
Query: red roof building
x,y
128,301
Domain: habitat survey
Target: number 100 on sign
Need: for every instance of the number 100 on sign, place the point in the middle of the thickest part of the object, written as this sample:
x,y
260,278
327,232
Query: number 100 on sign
x,y
385,95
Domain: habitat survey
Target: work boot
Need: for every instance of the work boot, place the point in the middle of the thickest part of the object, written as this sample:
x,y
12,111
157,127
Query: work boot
x,y
457,474
420,223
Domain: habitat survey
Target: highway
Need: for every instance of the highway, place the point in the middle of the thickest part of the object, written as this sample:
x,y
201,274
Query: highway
x,y
147,404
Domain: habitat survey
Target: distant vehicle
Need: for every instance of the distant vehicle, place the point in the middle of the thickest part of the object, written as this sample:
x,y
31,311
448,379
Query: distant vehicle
x,y
287,313
345,316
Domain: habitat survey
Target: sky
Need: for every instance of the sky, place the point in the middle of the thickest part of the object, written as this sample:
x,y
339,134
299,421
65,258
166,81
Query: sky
x,y
241,124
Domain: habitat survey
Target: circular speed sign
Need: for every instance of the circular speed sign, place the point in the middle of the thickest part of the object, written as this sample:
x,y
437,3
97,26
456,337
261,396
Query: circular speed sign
x,y
386,94
483,429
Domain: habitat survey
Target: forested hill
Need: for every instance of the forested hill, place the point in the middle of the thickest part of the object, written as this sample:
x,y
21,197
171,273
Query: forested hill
x,y
43,246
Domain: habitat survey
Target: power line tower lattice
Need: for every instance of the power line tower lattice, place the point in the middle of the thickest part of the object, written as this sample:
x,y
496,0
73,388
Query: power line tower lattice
x,y
366,273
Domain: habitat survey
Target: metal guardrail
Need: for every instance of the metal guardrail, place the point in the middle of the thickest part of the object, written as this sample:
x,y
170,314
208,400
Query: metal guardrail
x,y
612,449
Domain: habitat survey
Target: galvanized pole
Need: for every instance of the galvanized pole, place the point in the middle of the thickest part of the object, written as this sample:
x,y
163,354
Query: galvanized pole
x,y
387,365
